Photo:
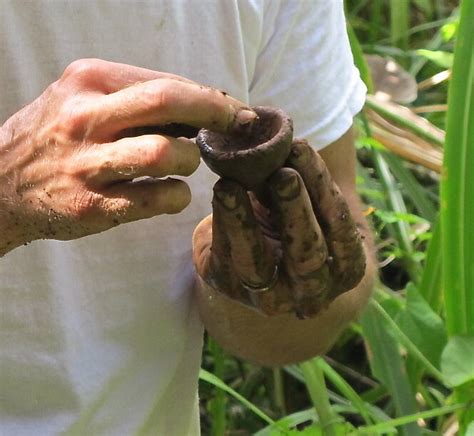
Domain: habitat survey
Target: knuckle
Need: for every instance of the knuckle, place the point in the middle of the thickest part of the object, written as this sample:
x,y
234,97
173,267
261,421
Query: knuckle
x,y
82,69
85,204
163,96
89,205
117,208
52,90
73,119
104,165
146,155
158,151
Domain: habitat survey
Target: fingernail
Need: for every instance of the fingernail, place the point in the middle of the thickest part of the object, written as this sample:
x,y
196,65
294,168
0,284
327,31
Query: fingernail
x,y
229,201
244,120
300,150
288,187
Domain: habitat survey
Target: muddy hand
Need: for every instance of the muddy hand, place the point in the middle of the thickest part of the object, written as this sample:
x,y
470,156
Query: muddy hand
x,y
70,158
295,254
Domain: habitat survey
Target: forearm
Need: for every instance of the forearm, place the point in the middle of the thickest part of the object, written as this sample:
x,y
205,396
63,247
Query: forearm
x,y
284,339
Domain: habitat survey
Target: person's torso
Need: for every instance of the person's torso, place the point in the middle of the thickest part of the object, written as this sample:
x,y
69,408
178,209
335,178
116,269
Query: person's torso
x,y
101,335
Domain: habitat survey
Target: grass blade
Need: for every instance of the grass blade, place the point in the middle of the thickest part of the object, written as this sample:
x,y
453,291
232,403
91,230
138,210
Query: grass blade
x,y
212,379
434,44
412,187
316,386
346,390
376,20
359,59
399,23
290,421
397,204
383,427
387,365
404,340
430,284
217,406
457,195
457,186
405,118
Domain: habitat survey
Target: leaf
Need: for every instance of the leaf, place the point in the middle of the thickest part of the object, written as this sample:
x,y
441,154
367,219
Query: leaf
x,y
412,188
430,284
285,424
385,427
288,423
389,216
387,365
395,331
457,360
449,30
457,211
312,430
392,306
339,429
216,381
423,326
442,58
369,143
470,429
346,390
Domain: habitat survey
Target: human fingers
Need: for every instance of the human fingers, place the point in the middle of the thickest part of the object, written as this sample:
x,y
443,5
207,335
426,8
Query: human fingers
x,y
108,77
147,155
165,101
130,201
221,275
303,245
251,255
252,259
347,258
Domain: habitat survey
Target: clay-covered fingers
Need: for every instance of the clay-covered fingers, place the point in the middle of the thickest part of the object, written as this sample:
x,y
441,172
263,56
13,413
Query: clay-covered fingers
x,y
252,258
304,248
249,254
147,155
165,100
347,258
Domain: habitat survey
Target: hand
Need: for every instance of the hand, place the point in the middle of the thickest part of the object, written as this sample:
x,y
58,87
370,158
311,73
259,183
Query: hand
x,y
291,247
69,159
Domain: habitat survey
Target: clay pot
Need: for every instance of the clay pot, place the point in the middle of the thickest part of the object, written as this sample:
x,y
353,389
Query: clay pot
x,y
249,158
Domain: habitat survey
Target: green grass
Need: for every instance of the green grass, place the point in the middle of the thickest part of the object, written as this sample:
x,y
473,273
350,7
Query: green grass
x,y
407,366
457,208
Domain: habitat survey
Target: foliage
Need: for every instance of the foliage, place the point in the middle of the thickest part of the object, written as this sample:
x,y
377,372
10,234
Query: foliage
x,y
407,366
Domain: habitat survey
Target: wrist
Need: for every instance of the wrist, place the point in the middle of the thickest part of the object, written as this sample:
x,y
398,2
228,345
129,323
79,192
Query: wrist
x,y
13,232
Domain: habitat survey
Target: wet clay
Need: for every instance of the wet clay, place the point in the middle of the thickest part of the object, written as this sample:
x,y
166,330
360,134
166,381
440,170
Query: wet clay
x,y
249,158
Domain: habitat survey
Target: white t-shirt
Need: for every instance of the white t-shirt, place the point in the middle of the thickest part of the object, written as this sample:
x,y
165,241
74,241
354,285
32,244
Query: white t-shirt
x,y
101,336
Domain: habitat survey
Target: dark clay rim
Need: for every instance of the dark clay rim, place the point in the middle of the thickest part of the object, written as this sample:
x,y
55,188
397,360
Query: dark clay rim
x,y
286,128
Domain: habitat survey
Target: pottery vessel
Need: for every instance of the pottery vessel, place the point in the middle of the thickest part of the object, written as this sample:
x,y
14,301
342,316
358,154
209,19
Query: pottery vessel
x,y
249,158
